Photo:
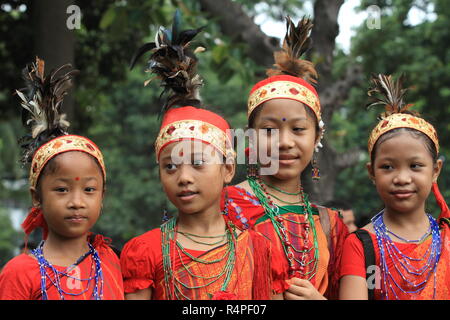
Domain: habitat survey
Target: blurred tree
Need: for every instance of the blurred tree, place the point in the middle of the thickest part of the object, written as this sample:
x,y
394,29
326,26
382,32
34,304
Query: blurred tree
x,y
9,245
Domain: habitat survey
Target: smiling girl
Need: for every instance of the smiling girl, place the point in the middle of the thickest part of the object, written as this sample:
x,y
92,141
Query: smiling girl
x,y
285,110
410,249
67,185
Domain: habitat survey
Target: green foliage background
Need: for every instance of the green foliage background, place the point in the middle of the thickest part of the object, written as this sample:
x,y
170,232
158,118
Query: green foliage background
x,y
116,111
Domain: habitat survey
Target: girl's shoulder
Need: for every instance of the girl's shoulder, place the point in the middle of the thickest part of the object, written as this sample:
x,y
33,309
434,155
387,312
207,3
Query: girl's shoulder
x,y
370,229
20,278
20,263
144,242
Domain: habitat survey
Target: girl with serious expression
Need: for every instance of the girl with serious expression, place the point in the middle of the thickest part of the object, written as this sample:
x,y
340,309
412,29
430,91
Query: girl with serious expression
x,y
70,194
194,180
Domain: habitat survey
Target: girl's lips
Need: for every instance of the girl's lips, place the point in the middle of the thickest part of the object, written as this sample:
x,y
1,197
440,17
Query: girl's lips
x,y
76,219
186,196
403,194
286,162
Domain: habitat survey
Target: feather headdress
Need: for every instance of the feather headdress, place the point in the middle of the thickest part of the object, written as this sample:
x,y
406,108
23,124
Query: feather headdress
x,y
41,104
173,62
296,43
389,93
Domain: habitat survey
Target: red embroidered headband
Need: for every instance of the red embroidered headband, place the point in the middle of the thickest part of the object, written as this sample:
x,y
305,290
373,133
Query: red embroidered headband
x,y
284,87
189,123
60,145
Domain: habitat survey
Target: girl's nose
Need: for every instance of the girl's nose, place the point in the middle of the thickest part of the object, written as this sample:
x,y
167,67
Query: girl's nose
x,y
185,174
76,200
285,139
402,177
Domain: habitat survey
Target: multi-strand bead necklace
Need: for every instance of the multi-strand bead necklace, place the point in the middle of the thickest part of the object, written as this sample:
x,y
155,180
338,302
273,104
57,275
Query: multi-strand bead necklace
x,y
48,271
172,249
414,278
298,256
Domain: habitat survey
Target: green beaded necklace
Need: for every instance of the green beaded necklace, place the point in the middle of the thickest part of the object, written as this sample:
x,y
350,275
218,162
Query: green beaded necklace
x,y
272,211
280,190
191,237
173,284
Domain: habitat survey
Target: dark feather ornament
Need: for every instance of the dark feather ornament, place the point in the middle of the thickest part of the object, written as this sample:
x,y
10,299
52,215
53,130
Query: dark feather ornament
x,y
296,43
390,94
41,101
174,63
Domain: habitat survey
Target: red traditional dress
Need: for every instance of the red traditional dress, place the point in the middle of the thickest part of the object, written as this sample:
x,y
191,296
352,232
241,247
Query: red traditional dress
x,y
246,212
409,266
96,274
309,240
353,263
21,277
142,267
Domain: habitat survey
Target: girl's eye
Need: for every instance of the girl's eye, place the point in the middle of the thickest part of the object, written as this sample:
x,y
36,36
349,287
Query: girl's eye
x,y
61,189
268,130
298,129
386,167
416,166
198,162
170,166
89,189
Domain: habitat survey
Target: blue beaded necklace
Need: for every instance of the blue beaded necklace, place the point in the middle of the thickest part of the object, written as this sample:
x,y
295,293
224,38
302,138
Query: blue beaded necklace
x,y
44,265
402,263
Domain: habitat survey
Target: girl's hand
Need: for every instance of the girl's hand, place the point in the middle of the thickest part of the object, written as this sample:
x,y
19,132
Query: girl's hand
x,y
301,289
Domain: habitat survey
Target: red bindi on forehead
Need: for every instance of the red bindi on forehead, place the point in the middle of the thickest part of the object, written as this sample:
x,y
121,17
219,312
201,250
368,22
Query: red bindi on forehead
x,y
77,178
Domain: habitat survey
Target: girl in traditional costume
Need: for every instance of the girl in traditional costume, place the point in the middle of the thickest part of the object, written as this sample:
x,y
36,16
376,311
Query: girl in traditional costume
x,y
198,255
403,252
285,106
67,184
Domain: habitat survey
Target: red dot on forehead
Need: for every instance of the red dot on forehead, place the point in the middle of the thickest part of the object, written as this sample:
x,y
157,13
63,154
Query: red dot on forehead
x,y
77,178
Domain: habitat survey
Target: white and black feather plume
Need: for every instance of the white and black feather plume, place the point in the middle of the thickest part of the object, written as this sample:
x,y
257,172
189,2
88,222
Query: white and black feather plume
x,y
41,101
174,63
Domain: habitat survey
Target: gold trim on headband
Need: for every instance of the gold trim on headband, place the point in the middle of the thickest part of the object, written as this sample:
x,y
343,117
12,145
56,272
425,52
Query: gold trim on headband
x,y
193,129
60,145
402,120
284,89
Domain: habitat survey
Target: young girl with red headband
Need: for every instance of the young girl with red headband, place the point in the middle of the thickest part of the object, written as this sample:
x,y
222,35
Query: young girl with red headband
x,y
67,184
403,253
284,109
197,255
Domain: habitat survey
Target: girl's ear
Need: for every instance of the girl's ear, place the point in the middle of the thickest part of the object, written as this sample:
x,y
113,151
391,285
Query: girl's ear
x,y
437,169
370,171
35,197
230,170
318,135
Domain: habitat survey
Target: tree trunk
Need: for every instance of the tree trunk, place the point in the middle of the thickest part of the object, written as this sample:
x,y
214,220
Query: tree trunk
x,y
54,42
236,24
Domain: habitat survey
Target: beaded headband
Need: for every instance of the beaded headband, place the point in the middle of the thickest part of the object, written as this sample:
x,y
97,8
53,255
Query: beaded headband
x,y
390,94
284,87
60,145
193,130
291,75
189,123
402,120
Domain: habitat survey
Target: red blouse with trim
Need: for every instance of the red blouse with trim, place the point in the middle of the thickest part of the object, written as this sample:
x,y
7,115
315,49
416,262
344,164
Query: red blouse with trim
x,y
142,267
21,279
353,263
245,210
